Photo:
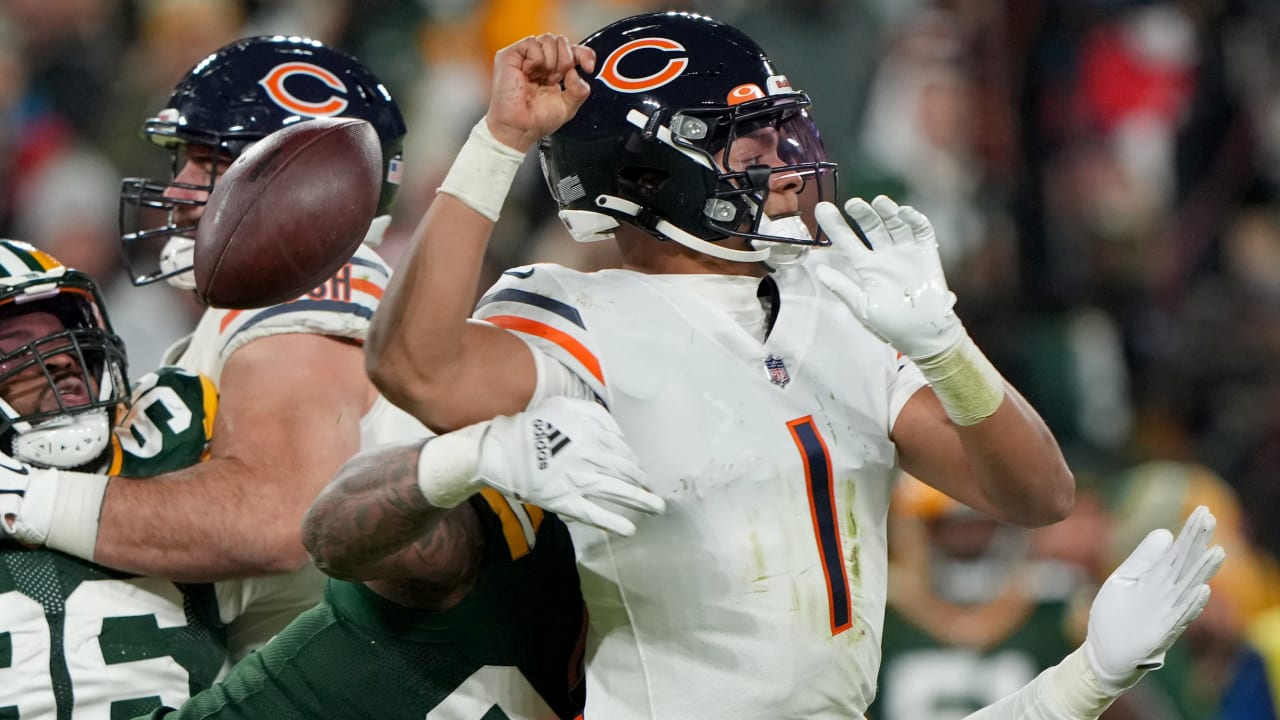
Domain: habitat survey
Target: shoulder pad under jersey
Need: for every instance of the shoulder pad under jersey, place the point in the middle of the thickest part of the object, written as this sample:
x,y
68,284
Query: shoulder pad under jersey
x,y
537,302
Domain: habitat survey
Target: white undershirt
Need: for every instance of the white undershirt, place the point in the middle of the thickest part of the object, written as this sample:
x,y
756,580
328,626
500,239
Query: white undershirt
x,y
736,295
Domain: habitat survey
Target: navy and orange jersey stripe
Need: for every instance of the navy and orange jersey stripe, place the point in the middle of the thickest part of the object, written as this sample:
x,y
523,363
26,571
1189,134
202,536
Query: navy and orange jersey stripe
x,y
530,303
826,524
342,306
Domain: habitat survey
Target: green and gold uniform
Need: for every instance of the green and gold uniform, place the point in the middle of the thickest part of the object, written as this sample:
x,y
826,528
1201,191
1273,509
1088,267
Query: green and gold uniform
x,y
510,650
81,641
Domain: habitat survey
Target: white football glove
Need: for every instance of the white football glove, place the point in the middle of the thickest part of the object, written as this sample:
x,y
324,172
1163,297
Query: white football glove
x,y
565,455
55,508
897,288
1150,599
26,501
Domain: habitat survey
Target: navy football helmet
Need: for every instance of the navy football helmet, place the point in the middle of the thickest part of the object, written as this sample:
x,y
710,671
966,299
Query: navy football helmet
x,y
75,377
687,130
231,99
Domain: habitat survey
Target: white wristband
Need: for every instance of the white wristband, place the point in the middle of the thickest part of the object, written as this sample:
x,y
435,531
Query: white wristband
x,y
448,466
77,508
966,383
482,172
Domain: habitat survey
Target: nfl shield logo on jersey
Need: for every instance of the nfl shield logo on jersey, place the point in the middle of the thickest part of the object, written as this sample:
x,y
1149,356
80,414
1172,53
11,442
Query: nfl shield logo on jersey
x,y
777,370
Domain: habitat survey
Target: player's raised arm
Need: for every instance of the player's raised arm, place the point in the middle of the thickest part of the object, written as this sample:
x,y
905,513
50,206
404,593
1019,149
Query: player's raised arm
x,y
422,353
971,435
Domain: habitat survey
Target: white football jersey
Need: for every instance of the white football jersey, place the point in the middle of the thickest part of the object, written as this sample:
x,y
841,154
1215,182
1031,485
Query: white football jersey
x,y
340,307
760,592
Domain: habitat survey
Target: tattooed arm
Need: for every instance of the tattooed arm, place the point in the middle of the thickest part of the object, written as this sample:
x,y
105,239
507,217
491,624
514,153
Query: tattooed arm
x,y
400,517
373,524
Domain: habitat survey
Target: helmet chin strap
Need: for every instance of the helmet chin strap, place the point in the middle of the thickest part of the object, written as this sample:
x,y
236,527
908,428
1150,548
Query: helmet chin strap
x,y
668,230
65,442
586,226
693,242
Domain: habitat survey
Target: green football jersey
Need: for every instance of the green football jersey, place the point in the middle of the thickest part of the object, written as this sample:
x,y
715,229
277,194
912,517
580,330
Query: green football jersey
x,y
923,679
79,640
510,650
168,426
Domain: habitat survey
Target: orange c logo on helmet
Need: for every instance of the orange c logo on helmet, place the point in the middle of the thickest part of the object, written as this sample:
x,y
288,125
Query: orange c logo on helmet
x,y
274,81
610,76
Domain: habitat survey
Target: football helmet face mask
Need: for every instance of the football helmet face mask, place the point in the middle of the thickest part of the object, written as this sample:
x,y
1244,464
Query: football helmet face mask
x,y
231,99
71,381
691,134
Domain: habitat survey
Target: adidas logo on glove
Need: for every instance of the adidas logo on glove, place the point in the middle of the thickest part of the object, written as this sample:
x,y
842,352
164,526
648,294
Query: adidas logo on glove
x,y
547,441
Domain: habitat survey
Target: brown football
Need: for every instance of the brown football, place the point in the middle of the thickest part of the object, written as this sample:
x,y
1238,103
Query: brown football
x,y
288,213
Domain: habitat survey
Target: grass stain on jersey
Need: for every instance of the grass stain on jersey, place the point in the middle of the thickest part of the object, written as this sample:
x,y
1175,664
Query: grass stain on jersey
x,y
849,491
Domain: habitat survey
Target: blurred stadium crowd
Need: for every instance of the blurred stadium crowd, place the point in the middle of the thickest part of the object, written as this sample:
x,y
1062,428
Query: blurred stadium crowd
x,y
1105,180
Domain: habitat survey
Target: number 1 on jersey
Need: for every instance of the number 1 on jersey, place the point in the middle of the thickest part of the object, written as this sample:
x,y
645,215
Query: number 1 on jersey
x,y
826,526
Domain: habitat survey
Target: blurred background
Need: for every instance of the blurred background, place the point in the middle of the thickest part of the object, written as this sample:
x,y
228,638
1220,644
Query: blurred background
x,y
1104,176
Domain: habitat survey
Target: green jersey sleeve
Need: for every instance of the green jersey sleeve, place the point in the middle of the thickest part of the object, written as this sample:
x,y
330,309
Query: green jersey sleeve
x,y
168,426
510,650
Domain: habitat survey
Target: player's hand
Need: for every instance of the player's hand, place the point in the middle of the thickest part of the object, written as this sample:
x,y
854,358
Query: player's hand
x,y
897,288
536,88
567,456
1150,599
27,497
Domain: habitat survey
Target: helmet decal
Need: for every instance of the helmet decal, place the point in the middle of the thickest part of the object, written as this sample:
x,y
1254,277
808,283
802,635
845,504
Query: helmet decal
x,y
779,85
612,77
274,84
744,93
23,260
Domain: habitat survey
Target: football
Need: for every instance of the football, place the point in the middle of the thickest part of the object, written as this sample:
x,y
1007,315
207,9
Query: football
x,y
288,213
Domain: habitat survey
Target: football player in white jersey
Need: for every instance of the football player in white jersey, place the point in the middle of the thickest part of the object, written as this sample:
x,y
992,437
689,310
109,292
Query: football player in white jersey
x,y
84,640
770,374
295,401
